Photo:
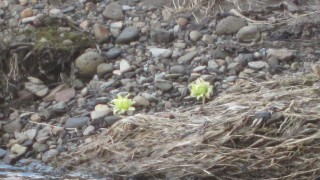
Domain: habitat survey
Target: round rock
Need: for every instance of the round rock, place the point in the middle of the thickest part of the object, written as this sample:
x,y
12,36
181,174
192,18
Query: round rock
x,y
104,68
88,62
230,25
195,35
141,101
113,11
248,34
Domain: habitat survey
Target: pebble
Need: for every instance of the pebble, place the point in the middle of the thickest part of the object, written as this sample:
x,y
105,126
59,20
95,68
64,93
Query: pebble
x,y
65,95
26,13
88,130
76,122
18,149
230,25
163,85
160,53
31,133
104,69
12,126
88,62
187,58
231,78
248,34
125,66
35,117
39,147
53,92
59,107
56,13
207,39
177,69
39,90
94,115
195,35
257,65
110,120
213,65
182,21
280,54
113,11
316,69
48,155
128,35
141,101
113,53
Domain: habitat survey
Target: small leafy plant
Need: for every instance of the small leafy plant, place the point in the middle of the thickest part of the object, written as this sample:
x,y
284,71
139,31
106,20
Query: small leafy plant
x,y
122,105
201,89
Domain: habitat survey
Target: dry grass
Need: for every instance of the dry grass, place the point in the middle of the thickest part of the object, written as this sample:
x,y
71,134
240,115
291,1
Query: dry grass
x,y
205,8
217,140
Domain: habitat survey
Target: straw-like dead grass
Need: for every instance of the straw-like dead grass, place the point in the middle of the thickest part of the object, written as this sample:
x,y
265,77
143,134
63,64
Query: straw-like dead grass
x,y
257,130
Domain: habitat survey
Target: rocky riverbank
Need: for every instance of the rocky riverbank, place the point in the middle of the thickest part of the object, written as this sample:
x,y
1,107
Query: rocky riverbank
x,y
60,60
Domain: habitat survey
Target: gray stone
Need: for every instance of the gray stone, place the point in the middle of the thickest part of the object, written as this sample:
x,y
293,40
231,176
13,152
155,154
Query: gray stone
x,y
113,53
39,147
280,54
110,120
177,69
160,53
257,65
39,90
31,133
88,62
161,36
89,130
76,122
150,97
230,25
199,69
248,34
187,58
59,107
128,35
113,11
56,13
13,126
48,155
104,68
195,35
141,101
231,78
213,65
220,54
99,114
163,85
125,66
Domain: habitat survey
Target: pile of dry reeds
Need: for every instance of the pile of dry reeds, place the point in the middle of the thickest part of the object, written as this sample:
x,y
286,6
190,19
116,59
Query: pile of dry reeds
x,y
256,130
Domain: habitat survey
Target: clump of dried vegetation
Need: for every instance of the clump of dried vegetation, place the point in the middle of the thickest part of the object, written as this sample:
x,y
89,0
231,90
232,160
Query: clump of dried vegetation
x,y
220,140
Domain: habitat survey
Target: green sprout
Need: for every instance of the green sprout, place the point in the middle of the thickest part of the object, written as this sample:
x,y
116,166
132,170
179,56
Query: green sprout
x,y
201,89
122,105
